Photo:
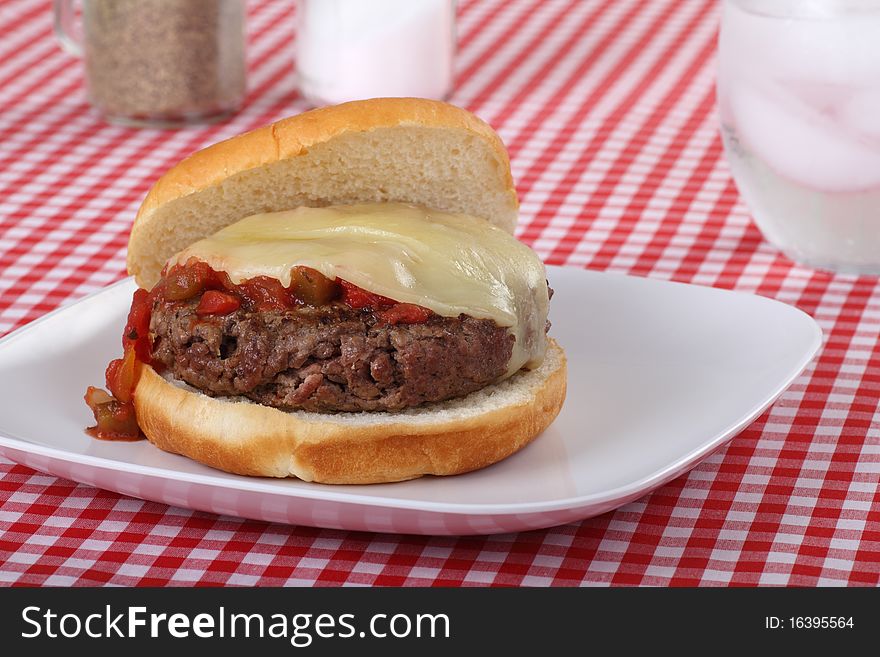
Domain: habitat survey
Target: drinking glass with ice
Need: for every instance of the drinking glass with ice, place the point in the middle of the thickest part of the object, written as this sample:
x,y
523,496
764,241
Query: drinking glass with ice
x,y
799,100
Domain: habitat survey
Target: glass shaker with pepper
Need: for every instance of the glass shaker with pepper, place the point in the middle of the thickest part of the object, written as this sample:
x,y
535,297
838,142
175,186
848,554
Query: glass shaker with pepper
x,y
160,63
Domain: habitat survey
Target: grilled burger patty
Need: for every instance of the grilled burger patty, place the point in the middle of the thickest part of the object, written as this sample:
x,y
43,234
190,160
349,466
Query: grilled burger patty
x,y
328,358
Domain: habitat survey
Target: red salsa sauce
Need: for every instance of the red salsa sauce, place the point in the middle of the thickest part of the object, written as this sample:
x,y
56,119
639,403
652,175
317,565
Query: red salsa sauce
x,y
114,411
307,287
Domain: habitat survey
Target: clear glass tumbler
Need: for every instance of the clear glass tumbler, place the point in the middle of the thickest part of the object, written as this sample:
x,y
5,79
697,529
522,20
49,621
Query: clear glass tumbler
x,y
159,62
799,101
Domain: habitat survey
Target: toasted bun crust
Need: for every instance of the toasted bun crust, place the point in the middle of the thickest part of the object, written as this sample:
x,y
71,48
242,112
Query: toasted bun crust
x,y
353,448
386,149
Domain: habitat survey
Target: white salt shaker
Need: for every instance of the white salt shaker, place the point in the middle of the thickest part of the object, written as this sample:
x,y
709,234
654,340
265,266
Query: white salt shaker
x,y
353,49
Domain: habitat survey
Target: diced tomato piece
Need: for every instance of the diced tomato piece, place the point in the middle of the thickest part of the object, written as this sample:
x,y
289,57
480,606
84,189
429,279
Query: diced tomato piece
x,y
111,374
358,298
214,302
122,375
405,313
137,328
264,293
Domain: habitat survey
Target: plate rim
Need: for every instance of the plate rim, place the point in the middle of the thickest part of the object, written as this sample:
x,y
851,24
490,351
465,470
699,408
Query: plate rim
x,y
316,492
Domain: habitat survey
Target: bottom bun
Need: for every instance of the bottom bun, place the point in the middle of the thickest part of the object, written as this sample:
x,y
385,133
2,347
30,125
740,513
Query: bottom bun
x,y
460,435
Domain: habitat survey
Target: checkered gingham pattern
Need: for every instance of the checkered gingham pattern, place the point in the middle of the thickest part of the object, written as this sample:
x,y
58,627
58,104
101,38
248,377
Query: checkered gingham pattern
x,y
607,108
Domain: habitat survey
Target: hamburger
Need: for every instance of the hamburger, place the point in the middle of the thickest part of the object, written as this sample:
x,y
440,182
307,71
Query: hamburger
x,y
337,297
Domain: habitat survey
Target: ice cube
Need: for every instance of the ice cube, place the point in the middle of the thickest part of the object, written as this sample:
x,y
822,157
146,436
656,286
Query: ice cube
x,y
807,142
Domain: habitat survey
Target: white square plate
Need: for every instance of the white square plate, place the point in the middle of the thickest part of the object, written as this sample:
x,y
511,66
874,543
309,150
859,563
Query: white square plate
x,y
660,375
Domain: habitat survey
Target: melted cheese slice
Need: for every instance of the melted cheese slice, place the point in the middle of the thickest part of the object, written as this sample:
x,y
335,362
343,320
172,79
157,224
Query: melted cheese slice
x,y
449,263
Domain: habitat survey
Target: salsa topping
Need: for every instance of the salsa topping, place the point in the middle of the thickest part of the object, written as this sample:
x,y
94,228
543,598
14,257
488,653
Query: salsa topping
x,y
115,416
115,419
262,293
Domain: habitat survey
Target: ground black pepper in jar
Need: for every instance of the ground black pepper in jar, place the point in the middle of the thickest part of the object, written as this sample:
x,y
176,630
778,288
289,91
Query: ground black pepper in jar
x,y
161,62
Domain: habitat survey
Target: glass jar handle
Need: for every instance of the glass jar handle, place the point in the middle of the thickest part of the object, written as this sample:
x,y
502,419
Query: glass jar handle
x,y
64,16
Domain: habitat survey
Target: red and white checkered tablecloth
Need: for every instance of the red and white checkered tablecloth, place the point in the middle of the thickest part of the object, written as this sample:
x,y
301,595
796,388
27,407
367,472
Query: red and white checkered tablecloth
x,y
608,111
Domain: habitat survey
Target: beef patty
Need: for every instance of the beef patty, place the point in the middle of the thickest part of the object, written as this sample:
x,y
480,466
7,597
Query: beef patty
x,y
328,358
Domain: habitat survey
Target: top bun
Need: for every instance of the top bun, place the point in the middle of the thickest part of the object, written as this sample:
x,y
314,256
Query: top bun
x,y
407,150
